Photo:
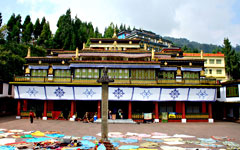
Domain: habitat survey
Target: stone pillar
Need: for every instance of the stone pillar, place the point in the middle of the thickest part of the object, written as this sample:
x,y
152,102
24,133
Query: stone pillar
x,y
99,110
104,112
210,119
104,127
72,111
156,112
184,120
45,111
129,110
18,109
25,105
204,107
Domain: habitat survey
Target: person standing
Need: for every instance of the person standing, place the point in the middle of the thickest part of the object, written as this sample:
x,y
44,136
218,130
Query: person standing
x,y
31,115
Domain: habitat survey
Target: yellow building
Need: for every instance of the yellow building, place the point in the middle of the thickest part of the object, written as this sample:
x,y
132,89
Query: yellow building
x,y
214,64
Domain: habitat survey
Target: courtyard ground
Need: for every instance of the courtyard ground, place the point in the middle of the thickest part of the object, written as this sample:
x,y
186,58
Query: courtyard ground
x,y
80,129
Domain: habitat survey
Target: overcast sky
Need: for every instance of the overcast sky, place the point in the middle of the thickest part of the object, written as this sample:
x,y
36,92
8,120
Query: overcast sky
x,y
204,21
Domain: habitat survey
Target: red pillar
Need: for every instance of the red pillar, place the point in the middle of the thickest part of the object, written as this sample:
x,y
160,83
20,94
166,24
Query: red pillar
x,y
183,110
24,105
204,107
156,110
179,107
129,110
50,106
99,109
75,109
19,108
210,110
45,109
72,108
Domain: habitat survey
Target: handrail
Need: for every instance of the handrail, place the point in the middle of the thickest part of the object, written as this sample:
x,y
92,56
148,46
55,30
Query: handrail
x,y
130,80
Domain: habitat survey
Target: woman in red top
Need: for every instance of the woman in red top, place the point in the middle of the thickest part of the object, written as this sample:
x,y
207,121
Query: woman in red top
x,y
31,114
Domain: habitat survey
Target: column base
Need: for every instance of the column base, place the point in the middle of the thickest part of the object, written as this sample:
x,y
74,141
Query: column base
x,y
211,120
18,117
184,120
156,120
72,119
44,118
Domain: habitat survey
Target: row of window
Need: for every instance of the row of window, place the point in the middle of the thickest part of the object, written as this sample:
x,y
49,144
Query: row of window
x,y
210,71
212,61
117,73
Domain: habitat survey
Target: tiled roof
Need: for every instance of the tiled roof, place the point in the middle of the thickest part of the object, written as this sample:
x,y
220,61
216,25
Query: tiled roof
x,y
204,54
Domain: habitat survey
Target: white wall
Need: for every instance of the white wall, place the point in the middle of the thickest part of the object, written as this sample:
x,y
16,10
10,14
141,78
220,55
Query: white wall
x,y
5,91
223,97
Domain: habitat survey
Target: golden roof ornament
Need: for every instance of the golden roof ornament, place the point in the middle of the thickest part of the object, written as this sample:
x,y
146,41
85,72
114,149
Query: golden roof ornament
x,y
29,52
114,34
76,53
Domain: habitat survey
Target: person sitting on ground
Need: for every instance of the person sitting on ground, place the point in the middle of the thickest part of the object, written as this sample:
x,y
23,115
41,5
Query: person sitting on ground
x,y
85,118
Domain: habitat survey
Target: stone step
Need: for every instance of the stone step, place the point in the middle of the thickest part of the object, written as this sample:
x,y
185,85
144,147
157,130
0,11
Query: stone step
x,y
127,121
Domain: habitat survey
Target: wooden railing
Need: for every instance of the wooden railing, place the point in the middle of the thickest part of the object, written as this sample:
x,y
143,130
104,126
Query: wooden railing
x,y
116,80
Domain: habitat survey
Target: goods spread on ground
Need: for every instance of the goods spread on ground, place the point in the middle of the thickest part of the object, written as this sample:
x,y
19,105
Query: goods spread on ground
x,y
19,139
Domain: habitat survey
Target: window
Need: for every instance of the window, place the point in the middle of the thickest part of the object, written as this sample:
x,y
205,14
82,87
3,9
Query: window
x,y
211,61
62,73
206,71
219,71
167,75
86,73
118,73
219,61
190,75
205,61
232,91
38,73
210,71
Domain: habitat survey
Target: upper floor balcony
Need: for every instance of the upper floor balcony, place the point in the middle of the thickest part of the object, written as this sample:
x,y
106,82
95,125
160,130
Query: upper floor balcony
x,y
117,81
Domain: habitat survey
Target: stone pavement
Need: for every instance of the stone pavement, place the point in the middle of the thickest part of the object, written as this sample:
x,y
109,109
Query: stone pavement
x,y
79,129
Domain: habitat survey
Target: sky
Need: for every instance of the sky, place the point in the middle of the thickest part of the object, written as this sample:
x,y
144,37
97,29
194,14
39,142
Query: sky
x,y
203,21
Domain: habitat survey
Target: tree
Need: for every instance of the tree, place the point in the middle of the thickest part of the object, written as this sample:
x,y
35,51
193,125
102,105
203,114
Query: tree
x,y
64,32
42,24
97,34
25,23
27,34
108,33
0,19
14,28
231,60
37,29
45,37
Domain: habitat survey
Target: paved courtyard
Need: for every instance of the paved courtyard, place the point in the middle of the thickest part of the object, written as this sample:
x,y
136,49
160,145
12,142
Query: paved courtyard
x,y
79,129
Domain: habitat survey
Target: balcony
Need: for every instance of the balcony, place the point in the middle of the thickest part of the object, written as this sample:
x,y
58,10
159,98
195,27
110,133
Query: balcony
x,y
117,81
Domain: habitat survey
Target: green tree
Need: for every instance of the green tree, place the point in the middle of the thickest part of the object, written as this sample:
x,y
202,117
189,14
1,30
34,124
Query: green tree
x,y
231,60
42,24
64,32
26,22
97,34
27,34
108,33
37,29
0,19
45,37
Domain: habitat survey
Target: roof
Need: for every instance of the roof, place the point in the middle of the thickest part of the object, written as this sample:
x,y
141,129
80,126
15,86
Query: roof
x,y
204,54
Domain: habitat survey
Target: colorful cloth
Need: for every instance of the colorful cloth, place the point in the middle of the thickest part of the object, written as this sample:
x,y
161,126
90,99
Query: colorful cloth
x,y
89,138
